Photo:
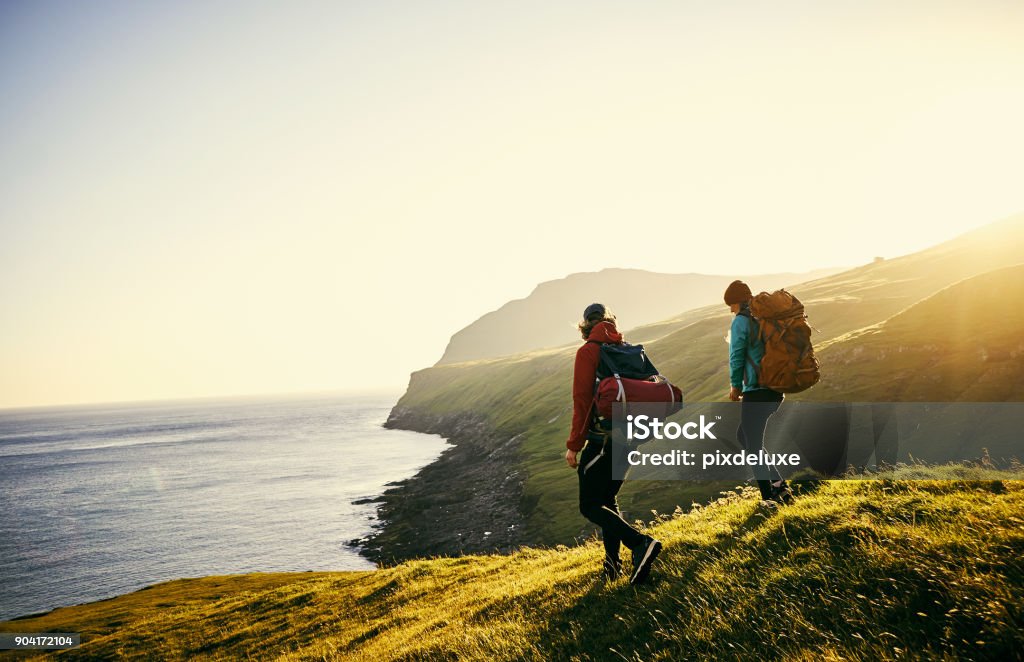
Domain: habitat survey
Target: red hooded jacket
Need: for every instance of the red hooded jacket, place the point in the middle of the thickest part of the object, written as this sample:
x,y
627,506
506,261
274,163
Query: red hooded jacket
x,y
584,373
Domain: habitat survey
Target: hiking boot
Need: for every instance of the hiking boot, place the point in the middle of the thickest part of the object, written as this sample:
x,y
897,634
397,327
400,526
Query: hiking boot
x,y
781,493
643,557
611,569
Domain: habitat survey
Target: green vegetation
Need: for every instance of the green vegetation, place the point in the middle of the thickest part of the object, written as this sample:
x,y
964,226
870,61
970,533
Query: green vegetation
x,y
962,344
914,327
857,570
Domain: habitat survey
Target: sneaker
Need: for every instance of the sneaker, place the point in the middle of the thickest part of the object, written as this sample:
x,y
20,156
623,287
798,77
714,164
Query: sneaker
x,y
611,569
643,557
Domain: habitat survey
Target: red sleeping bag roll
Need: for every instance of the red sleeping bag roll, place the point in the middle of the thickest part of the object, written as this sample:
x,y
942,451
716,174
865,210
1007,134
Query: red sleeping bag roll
x,y
612,390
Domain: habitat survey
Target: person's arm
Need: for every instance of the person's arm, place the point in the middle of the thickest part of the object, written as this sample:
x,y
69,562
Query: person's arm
x,y
583,376
738,337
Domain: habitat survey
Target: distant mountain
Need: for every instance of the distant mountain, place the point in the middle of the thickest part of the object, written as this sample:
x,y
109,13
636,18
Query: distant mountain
x,y
547,317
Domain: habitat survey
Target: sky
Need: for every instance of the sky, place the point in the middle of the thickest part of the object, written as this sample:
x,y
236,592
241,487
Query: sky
x,y
216,198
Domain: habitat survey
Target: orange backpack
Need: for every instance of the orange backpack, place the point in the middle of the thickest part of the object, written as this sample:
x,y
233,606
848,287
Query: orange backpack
x,y
788,365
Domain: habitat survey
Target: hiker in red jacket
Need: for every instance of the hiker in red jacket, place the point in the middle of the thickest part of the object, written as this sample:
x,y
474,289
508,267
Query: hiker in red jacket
x,y
590,451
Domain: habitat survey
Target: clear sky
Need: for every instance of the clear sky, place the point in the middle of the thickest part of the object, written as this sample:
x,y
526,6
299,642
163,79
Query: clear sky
x,y
205,198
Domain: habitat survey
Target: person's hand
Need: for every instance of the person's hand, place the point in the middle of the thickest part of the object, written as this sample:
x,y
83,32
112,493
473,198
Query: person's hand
x,y
734,394
570,458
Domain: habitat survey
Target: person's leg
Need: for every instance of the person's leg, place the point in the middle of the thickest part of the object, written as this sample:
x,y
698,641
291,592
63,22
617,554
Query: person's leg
x,y
596,482
595,474
611,542
763,484
755,410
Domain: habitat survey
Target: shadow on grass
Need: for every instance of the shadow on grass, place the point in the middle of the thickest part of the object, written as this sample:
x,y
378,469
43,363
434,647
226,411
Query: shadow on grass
x,y
784,585
615,616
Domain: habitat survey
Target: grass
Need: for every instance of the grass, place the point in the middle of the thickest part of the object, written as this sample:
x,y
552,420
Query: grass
x,y
854,570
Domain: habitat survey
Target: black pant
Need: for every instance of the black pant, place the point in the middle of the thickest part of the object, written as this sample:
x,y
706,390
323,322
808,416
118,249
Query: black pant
x,y
757,407
598,491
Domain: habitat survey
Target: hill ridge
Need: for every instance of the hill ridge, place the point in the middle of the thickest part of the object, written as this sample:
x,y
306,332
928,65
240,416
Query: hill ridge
x,y
545,318
916,304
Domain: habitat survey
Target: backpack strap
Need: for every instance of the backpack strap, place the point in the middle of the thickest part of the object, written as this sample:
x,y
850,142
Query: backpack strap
x,y
751,341
621,397
597,381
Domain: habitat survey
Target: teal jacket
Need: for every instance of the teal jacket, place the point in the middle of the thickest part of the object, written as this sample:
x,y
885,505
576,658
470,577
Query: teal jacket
x,y
743,342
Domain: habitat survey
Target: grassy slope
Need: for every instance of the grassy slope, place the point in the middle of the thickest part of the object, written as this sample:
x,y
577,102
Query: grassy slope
x,y
964,343
853,570
529,394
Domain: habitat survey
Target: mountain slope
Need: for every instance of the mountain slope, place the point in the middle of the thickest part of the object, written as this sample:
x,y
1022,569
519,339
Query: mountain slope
x,y
546,317
853,570
524,403
964,343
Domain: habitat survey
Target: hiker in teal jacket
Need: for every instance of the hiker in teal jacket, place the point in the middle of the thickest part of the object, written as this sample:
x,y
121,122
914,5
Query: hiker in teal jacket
x,y
746,349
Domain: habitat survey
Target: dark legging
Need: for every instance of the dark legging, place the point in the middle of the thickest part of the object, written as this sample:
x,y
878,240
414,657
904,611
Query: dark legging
x,y
757,407
598,492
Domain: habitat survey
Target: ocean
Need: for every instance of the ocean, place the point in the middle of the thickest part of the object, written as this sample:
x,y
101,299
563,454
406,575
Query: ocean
x,y
107,499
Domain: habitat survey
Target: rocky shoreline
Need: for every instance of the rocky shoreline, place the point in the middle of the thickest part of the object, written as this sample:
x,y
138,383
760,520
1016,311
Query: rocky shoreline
x,y
467,501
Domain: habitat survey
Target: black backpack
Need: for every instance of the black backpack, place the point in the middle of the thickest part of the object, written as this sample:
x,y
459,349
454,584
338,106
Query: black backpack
x,y
625,361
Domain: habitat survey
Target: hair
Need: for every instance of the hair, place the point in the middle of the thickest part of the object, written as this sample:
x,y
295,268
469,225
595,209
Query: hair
x,y
737,292
587,325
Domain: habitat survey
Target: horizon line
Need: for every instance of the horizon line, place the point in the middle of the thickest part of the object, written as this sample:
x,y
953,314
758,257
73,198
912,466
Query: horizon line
x,y
375,391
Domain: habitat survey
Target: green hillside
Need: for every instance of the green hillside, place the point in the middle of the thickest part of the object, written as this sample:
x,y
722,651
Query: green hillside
x,y
964,343
527,397
853,570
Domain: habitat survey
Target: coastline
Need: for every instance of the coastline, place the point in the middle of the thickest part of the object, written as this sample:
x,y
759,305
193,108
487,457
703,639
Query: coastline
x,y
467,501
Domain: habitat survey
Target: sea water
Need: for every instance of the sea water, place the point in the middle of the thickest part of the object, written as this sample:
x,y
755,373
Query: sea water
x,y
102,500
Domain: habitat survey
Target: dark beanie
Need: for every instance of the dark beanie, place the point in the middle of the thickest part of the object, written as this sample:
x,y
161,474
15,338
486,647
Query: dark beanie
x,y
593,310
737,292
